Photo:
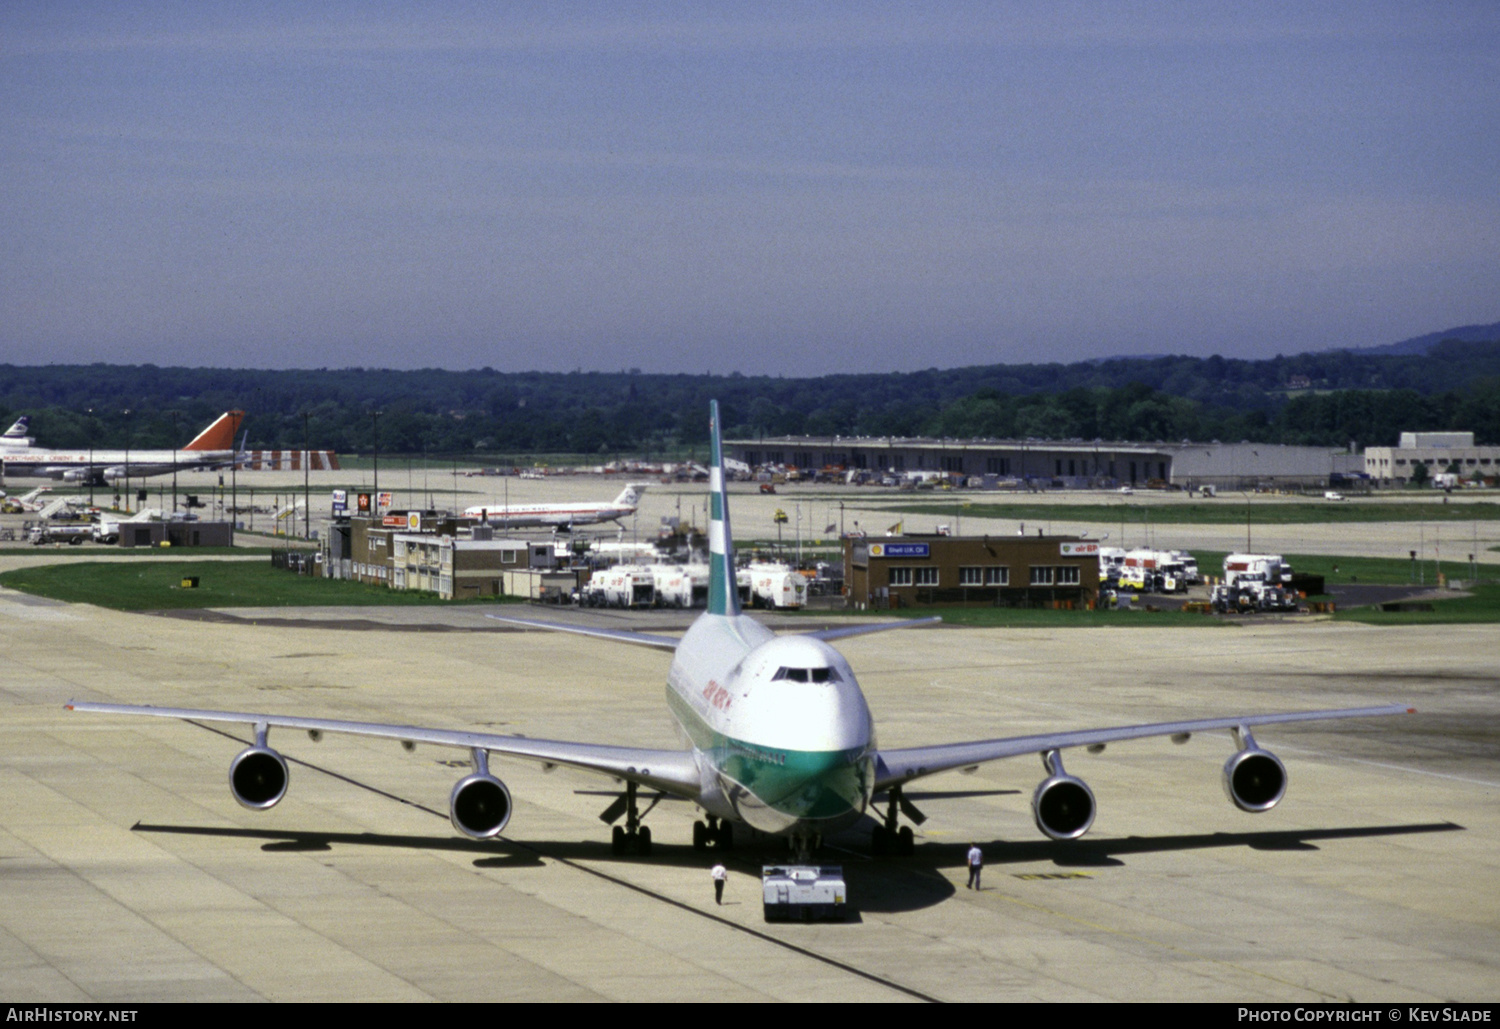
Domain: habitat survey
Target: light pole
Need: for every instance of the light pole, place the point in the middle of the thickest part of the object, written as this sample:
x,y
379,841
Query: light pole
x,y
306,486
92,433
176,435
127,460
375,444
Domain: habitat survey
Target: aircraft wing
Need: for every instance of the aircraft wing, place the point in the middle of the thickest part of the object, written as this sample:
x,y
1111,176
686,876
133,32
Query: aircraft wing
x,y
894,767
859,630
672,771
644,639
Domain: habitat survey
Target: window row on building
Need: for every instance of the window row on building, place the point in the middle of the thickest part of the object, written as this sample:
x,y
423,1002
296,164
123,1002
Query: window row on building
x,y
983,575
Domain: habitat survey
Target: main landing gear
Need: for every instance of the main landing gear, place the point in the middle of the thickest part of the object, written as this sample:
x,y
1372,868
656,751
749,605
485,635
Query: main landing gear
x,y
632,836
715,832
887,837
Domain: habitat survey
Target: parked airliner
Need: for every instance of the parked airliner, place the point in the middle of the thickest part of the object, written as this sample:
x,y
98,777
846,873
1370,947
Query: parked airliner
x,y
560,516
779,735
15,436
211,448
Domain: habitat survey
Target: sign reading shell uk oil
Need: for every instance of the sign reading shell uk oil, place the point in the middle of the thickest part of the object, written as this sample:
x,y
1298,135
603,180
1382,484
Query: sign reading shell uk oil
x,y
900,550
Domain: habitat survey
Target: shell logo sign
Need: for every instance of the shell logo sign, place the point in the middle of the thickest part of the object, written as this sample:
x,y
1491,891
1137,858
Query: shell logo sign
x,y
900,550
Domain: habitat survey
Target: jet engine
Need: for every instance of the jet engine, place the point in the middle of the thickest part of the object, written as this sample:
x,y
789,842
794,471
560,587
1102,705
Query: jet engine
x,y
1254,779
113,474
480,804
1062,804
258,778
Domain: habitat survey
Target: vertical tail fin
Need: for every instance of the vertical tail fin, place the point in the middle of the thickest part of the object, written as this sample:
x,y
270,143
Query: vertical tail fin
x,y
630,496
219,435
18,430
723,593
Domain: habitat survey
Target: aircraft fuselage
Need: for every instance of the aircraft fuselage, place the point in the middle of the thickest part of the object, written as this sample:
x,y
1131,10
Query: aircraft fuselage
x,y
536,515
783,735
109,464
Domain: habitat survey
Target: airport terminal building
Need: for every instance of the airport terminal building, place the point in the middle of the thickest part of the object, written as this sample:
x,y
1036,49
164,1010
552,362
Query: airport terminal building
x,y
1061,464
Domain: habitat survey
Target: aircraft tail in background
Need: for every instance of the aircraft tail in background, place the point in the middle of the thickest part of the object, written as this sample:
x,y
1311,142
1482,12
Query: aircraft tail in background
x,y
630,496
219,435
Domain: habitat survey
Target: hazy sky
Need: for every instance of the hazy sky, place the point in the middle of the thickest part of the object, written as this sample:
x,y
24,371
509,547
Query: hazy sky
x,y
769,188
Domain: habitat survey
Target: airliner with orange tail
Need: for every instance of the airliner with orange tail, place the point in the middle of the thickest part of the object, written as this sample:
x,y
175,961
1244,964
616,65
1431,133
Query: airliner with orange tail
x,y
211,448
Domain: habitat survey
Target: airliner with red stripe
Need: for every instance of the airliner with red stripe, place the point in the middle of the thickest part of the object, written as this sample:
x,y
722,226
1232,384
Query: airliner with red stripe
x,y
561,516
211,448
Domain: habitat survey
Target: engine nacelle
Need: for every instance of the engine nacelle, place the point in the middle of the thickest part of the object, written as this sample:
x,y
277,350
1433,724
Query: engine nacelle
x,y
75,475
258,778
1254,780
1063,806
479,806
113,474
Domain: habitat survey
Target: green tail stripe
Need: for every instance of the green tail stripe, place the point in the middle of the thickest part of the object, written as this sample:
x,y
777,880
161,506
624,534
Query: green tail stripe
x,y
723,592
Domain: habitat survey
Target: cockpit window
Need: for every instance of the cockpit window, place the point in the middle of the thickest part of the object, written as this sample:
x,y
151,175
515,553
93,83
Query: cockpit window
x,y
807,674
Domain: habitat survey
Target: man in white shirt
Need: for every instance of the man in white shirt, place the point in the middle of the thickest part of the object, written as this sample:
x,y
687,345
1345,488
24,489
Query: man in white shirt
x,y
976,862
720,874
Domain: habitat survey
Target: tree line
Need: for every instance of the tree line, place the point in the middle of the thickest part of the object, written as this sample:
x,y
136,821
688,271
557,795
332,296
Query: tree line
x,y
1327,399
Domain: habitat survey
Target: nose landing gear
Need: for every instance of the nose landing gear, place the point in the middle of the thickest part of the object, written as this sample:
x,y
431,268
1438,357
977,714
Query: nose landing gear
x,y
716,832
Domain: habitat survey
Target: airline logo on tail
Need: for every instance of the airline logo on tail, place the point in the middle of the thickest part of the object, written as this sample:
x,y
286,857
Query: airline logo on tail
x,y
723,591
631,497
18,430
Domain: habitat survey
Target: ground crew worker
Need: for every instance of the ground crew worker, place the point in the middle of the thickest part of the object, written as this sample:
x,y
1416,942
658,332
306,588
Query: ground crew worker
x,y
720,874
976,863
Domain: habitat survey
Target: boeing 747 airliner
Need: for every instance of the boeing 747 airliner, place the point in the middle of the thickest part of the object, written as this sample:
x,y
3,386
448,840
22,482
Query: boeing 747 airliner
x,y
211,448
780,737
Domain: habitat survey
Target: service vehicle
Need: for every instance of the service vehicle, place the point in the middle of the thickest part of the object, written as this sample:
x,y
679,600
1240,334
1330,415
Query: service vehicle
x,y
777,586
59,532
803,892
1152,571
1111,563
621,586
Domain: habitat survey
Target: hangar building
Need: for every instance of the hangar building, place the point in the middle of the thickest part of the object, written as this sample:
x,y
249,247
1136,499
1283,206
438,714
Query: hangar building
x,y
1067,463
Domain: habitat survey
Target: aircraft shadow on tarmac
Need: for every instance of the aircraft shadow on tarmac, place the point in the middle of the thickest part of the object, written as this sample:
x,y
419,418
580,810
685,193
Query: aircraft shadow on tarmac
x,y
922,880
885,885
490,853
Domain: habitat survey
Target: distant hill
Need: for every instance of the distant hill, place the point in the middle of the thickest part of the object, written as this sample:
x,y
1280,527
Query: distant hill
x,y
1422,345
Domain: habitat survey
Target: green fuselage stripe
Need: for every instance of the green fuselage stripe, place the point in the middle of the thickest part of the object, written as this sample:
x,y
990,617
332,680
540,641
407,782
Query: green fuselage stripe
x,y
812,784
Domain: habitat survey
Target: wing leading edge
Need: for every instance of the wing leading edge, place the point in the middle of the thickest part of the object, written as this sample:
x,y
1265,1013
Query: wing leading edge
x,y
671,771
894,767
644,639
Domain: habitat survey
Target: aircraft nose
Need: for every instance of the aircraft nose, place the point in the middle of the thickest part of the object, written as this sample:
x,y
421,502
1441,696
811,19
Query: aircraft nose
x,y
820,784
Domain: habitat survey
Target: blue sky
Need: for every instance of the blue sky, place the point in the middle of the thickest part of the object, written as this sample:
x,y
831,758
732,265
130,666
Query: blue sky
x,y
768,188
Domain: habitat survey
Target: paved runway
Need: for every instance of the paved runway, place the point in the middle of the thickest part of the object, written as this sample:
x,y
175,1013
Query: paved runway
x,y
130,874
